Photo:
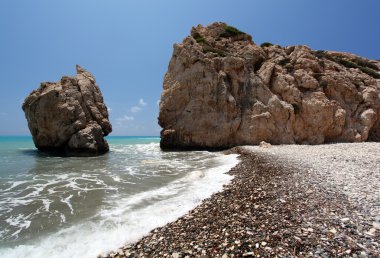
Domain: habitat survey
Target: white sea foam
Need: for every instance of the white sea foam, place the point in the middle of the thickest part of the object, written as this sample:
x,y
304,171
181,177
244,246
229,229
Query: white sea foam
x,y
126,219
20,221
46,204
14,184
67,201
194,175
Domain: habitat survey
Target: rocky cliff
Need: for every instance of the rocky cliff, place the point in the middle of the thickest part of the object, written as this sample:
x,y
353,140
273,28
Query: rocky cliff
x,y
69,116
222,90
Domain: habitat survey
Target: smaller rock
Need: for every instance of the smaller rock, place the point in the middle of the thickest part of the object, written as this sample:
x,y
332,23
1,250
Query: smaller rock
x,y
264,144
69,116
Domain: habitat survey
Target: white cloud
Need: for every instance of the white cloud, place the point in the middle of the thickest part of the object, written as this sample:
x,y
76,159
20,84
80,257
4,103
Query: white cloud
x,y
109,109
135,109
125,119
142,103
158,102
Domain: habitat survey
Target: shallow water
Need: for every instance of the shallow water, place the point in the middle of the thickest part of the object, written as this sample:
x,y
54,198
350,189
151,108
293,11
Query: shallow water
x,y
80,206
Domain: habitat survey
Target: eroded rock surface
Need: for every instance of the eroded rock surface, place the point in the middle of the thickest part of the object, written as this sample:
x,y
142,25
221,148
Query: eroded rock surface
x,y
69,116
223,90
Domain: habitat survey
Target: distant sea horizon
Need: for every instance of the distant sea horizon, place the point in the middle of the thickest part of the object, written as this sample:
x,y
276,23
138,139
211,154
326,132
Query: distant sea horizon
x,y
86,206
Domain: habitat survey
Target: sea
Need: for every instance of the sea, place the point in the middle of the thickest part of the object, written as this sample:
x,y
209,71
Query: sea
x,y
87,206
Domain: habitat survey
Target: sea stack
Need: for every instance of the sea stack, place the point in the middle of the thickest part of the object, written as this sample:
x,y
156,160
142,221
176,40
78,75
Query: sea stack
x,y
223,90
69,116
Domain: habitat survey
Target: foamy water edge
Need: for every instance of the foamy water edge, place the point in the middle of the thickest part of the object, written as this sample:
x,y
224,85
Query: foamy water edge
x,y
122,225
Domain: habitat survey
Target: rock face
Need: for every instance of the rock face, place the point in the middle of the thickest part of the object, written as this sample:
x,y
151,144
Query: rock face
x,y
223,90
69,116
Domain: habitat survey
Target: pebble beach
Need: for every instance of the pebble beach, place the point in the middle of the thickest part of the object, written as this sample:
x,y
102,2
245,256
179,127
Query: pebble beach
x,y
284,201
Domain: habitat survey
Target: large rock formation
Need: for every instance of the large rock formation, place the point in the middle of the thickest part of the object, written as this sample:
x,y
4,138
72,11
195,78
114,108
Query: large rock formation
x,y
69,116
222,90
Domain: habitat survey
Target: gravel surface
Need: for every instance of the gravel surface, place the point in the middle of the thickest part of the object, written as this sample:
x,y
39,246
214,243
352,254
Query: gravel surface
x,y
285,201
350,168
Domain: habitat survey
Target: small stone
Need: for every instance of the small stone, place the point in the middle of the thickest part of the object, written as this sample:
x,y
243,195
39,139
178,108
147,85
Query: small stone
x,y
344,220
248,254
263,243
264,144
101,255
175,255
370,232
224,256
376,225
297,238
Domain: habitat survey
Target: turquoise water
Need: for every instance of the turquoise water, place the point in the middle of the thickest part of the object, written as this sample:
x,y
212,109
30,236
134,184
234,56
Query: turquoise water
x,y
84,206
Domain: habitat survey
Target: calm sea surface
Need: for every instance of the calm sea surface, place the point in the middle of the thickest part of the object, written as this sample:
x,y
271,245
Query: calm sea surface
x,y
82,207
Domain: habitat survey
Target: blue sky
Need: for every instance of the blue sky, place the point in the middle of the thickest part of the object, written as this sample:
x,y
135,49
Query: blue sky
x,y
127,44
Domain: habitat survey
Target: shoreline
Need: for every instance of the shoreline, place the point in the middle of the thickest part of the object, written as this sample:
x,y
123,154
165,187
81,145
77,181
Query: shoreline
x,y
273,206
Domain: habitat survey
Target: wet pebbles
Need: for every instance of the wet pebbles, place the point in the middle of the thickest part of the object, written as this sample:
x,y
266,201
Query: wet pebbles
x,y
275,206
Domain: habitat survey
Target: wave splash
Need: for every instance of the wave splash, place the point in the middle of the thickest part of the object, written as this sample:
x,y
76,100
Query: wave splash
x,y
132,198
